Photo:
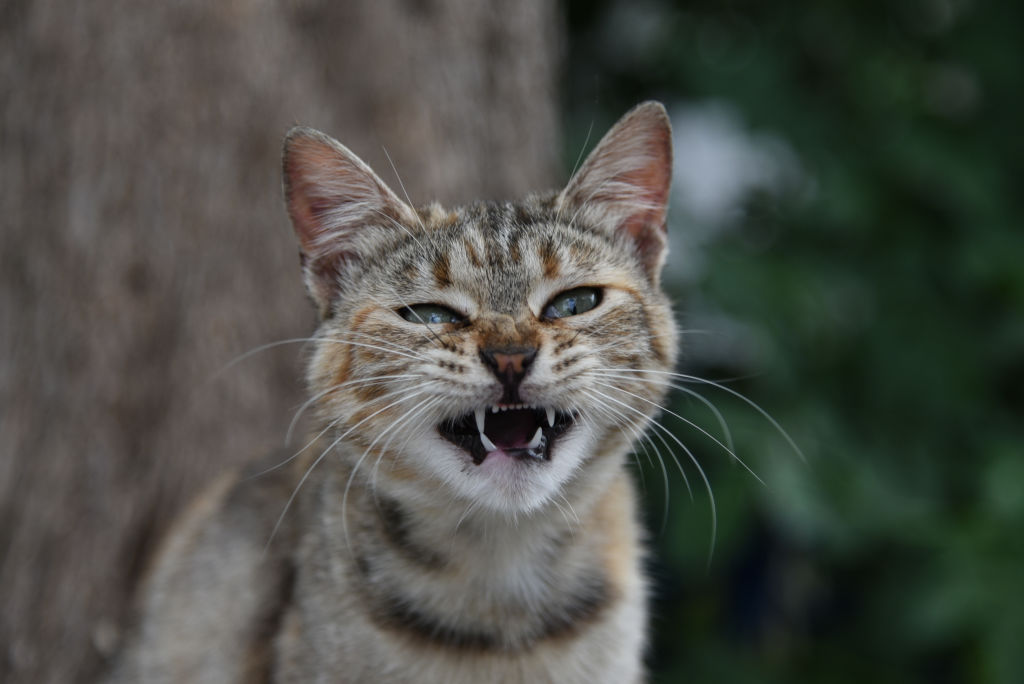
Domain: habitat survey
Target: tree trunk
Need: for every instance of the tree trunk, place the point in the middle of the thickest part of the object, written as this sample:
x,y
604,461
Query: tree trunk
x,y
144,245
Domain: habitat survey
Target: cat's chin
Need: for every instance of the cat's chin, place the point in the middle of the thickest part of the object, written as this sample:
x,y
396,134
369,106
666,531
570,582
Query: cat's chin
x,y
508,431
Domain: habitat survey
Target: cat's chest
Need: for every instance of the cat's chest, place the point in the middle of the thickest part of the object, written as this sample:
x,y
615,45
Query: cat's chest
x,y
478,607
352,649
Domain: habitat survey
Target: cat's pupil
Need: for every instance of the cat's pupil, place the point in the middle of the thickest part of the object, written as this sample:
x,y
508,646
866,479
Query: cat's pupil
x,y
573,302
429,313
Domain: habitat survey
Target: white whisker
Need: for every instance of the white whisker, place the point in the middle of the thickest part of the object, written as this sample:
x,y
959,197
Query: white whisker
x,y
693,459
366,452
296,340
688,422
263,347
729,390
412,393
568,523
404,192
374,380
320,434
416,412
576,166
640,437
415,357
390,343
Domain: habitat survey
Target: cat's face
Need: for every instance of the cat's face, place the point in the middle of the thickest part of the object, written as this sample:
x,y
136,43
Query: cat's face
x,y
492,354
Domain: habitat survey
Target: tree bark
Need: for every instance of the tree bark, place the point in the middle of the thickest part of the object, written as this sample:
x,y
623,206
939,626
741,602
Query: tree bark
x,y
144,245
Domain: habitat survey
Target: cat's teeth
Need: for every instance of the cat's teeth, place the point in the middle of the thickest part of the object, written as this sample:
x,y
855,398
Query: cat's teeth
x,y
551,417
479,413
535,442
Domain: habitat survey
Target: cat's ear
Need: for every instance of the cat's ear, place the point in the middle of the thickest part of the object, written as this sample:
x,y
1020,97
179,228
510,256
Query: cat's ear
x,y
623,185
338,206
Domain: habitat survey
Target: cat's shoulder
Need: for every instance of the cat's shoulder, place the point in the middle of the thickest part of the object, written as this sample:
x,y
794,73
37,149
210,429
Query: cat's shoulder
x,y
218,581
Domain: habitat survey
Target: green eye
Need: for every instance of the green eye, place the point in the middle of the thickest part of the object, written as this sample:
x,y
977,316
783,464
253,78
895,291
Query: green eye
x,y
429,313
573,302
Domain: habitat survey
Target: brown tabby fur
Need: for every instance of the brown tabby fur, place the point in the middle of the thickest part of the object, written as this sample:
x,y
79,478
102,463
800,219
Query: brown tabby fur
x,y
386,552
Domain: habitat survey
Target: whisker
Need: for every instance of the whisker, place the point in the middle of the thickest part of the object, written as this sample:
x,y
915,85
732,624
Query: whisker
x,y
693,459
309,470
320,434
399,225
726,432
414,357
750,402
402,185
409,438
688,422
298,453
579,157
562,510
470,507
263,347
355,468
576,166
420,408
296,340
377,379
384,340
645,436
660,460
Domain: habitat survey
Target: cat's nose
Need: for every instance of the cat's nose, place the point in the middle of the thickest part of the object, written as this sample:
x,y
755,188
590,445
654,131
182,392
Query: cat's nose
x,y
509,365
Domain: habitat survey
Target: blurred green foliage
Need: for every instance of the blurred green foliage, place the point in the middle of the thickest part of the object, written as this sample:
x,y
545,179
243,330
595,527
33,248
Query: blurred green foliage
x,y
883,307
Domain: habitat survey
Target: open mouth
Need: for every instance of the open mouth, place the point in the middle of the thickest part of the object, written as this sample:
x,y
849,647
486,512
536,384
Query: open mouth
x,y
522,432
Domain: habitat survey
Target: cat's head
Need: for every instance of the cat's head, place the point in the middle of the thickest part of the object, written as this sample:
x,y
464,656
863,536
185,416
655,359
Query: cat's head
x,y
498,354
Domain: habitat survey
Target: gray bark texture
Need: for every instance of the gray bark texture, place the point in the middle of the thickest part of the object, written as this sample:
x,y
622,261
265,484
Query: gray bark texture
x,y
143,246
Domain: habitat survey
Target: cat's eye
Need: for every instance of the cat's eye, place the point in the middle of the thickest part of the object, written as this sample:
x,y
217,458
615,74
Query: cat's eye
x,y
573,302
429,313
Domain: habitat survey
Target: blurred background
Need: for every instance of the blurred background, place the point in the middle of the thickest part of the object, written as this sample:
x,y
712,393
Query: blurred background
x,y
848,245
846,253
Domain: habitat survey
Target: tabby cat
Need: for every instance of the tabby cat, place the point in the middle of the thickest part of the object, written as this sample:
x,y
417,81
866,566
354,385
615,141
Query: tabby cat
x,y
463,512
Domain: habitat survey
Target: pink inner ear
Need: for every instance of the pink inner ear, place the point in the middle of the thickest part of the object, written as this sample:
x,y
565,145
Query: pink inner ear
x,y
307,204
645,223
315,211
305,215
308,214
652,184
626,179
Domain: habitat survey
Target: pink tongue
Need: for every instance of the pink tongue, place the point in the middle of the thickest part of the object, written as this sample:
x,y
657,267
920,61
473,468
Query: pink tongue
x,y
511,429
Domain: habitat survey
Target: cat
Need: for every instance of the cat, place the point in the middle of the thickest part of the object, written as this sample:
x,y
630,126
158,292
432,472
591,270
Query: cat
x,y
463,511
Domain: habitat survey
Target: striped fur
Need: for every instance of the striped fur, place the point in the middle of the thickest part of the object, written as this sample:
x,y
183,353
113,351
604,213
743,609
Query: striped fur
x,y
404,558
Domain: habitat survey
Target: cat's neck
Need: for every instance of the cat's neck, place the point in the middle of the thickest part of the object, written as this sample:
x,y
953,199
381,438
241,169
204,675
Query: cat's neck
x,y
426,566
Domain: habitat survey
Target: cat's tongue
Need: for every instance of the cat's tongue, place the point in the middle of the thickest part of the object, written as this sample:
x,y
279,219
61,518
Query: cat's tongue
x,y
511,429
